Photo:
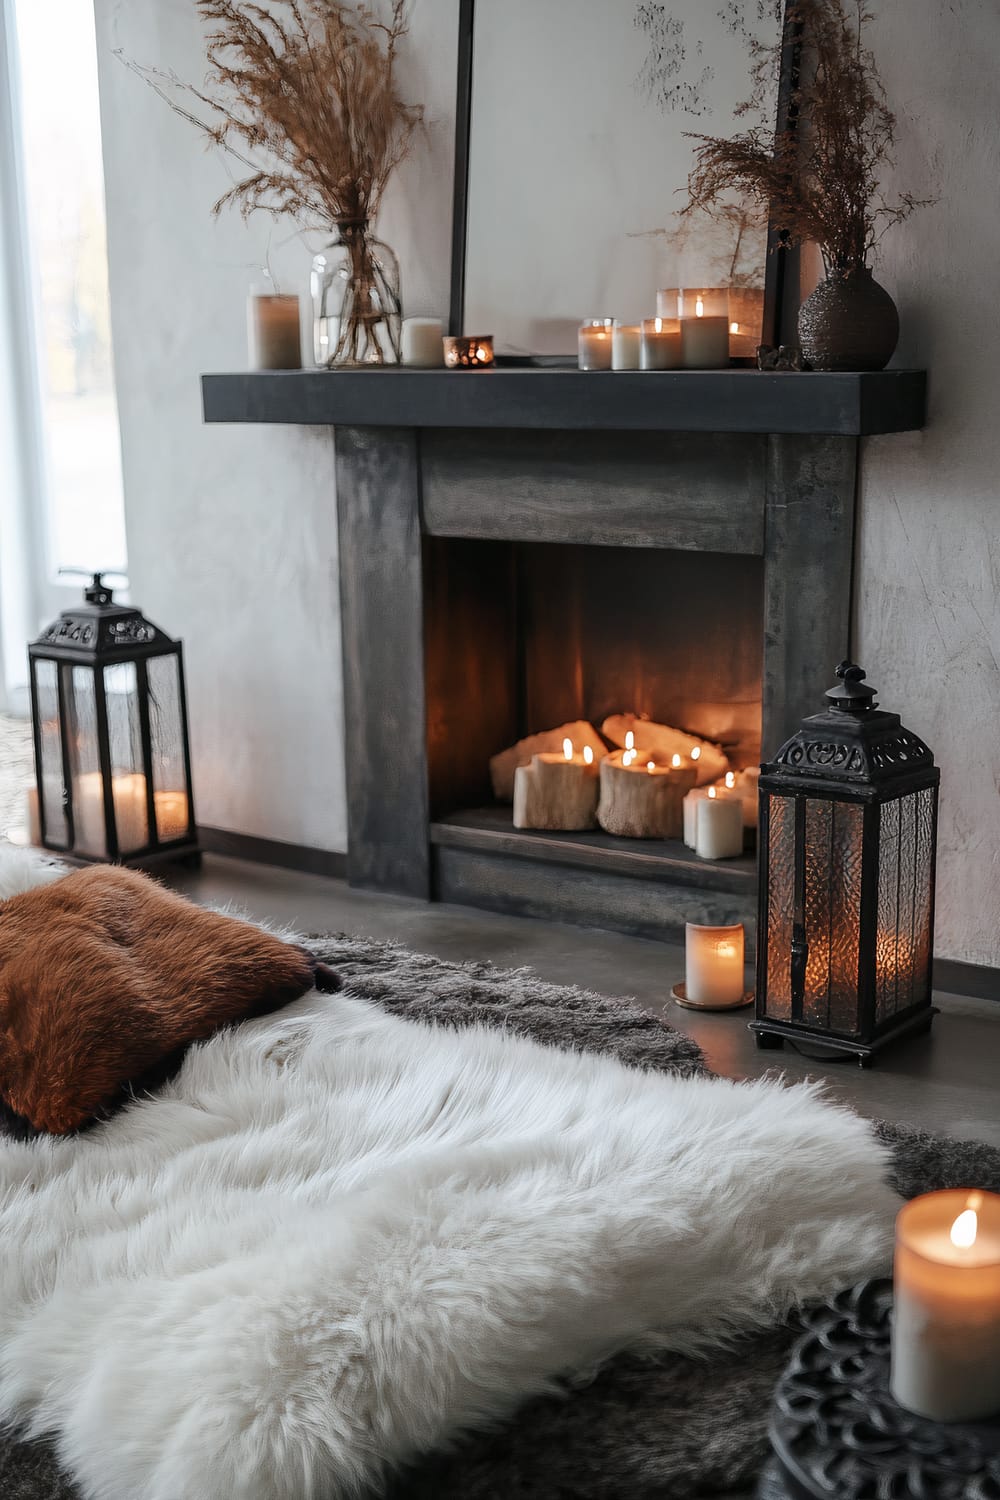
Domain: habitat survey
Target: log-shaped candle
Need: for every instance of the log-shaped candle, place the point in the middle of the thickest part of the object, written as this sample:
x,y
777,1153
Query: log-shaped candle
x,y
641,799
660,743
503,765
557,792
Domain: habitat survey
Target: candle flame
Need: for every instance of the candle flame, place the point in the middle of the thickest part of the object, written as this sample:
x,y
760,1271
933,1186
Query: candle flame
x,y
966,1226
696,753
712,792
629,739
658,324
651,766
725,950
588,755
734,328
675,761
568,748
699,308
730,780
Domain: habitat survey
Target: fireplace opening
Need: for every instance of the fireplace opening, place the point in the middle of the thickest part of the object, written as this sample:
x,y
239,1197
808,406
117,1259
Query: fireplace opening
x,y
523,636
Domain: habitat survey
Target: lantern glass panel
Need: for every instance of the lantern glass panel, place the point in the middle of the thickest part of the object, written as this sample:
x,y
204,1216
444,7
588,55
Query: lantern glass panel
x,y
903,932
89,836
780,898
128,782
833,841
166,732
50,775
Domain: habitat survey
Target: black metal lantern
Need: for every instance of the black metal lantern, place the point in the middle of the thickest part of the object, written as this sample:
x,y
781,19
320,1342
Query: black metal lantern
x,y
112,765
848,830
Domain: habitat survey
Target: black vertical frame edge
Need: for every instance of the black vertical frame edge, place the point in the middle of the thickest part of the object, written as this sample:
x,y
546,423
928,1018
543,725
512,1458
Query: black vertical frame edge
x,y
463,141
780,257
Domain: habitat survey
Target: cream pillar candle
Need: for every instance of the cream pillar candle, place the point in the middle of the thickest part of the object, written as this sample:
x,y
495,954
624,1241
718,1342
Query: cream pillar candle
x,y
274,335
641,798
423,343
661,344
691,801
557,792
625,340
946,1319
718,830
171,814
713,966
128,792
705,329
594,344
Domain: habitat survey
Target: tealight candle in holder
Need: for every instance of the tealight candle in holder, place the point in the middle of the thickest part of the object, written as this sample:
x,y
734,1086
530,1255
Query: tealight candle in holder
x,y
625,340
468,351
661,344
705,329
946,1318
594,344
713,968
557,792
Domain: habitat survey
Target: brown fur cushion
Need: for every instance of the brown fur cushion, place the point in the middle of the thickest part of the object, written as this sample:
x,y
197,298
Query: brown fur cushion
x,y
105,976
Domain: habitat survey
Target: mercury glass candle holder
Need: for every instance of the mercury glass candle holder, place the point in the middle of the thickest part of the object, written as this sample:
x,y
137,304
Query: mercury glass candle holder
x,y
469,351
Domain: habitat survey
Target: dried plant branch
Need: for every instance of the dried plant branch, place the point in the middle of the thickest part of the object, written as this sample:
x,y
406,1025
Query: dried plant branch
x,y
820,182
303,94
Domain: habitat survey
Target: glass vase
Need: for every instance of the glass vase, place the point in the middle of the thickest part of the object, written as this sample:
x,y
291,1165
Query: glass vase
x,y
357,310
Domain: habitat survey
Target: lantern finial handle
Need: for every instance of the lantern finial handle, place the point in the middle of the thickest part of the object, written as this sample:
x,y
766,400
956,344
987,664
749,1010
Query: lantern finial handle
x,y
852,694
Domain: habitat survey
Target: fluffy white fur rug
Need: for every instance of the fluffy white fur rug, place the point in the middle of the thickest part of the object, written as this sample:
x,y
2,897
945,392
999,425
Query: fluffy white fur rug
x,y
337,1238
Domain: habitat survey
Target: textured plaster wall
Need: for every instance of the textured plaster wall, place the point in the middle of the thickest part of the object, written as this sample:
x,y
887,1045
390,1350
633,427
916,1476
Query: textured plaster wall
x,y
928,618
232,531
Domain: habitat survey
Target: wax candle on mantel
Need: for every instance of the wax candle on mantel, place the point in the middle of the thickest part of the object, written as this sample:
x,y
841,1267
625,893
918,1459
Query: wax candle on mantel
x,y
946,1318
594,344
713,967
718,830
705,329
661,344
274,334
625,340
423,343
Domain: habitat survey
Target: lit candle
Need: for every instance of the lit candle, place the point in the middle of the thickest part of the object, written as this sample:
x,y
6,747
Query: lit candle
x,y
422,344
661,344
273,332
713,968
640,798
34,820
705,329
718,832
557,791
128,793
171,814
594,346
625,339
946,1321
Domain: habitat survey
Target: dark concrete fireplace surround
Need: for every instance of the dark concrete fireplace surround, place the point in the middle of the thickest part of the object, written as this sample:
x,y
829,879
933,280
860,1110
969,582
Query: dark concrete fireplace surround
x,y
432,466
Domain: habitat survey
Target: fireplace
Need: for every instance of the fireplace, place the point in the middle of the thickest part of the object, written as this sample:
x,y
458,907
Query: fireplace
x,y
520,547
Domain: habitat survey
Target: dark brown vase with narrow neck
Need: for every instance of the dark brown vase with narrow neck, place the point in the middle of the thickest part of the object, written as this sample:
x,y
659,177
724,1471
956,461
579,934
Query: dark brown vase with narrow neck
x,y
848,323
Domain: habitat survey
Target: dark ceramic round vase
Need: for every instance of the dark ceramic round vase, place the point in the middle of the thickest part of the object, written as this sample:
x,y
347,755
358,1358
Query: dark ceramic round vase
x,y
849,323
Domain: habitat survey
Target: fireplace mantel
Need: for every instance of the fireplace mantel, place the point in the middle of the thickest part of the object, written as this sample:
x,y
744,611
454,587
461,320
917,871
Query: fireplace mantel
x,y
846,405
442,475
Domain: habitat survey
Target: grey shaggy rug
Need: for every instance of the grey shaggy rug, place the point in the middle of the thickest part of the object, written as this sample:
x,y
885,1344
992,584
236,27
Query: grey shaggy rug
x,y
670,1429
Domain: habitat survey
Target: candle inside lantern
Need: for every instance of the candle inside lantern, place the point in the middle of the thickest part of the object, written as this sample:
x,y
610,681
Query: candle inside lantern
x,y
625,340
171,814
713,967
594,344
661,344
128,795
422,345
705,329
946,1322
274,335
718,831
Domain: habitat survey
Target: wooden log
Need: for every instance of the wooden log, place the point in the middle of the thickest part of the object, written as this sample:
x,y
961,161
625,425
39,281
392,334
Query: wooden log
x,y
661,743
503,765
555,793
641,799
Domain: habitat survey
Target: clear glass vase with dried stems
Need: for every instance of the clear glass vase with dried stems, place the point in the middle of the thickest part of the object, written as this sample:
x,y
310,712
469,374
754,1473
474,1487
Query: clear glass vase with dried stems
x,y
357,308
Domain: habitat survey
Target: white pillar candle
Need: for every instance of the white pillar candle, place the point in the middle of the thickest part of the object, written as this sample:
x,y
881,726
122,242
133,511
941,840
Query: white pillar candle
x,y
625,340
128,792
423,343
594,344
718,830
946,1320
705,329
691,813
273,332
661,344
713,966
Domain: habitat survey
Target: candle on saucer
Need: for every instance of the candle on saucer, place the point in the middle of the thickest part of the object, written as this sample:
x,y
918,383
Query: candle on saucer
x,y
705,329
625,340
946,1320
713,966
594,344
423,343
661,344
718,832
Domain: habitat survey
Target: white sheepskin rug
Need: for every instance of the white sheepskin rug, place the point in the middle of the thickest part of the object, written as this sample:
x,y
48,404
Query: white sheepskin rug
x,y
339,1238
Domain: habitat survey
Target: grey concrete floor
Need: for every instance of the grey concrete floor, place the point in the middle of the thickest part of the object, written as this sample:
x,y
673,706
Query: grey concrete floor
x,y
948,1082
